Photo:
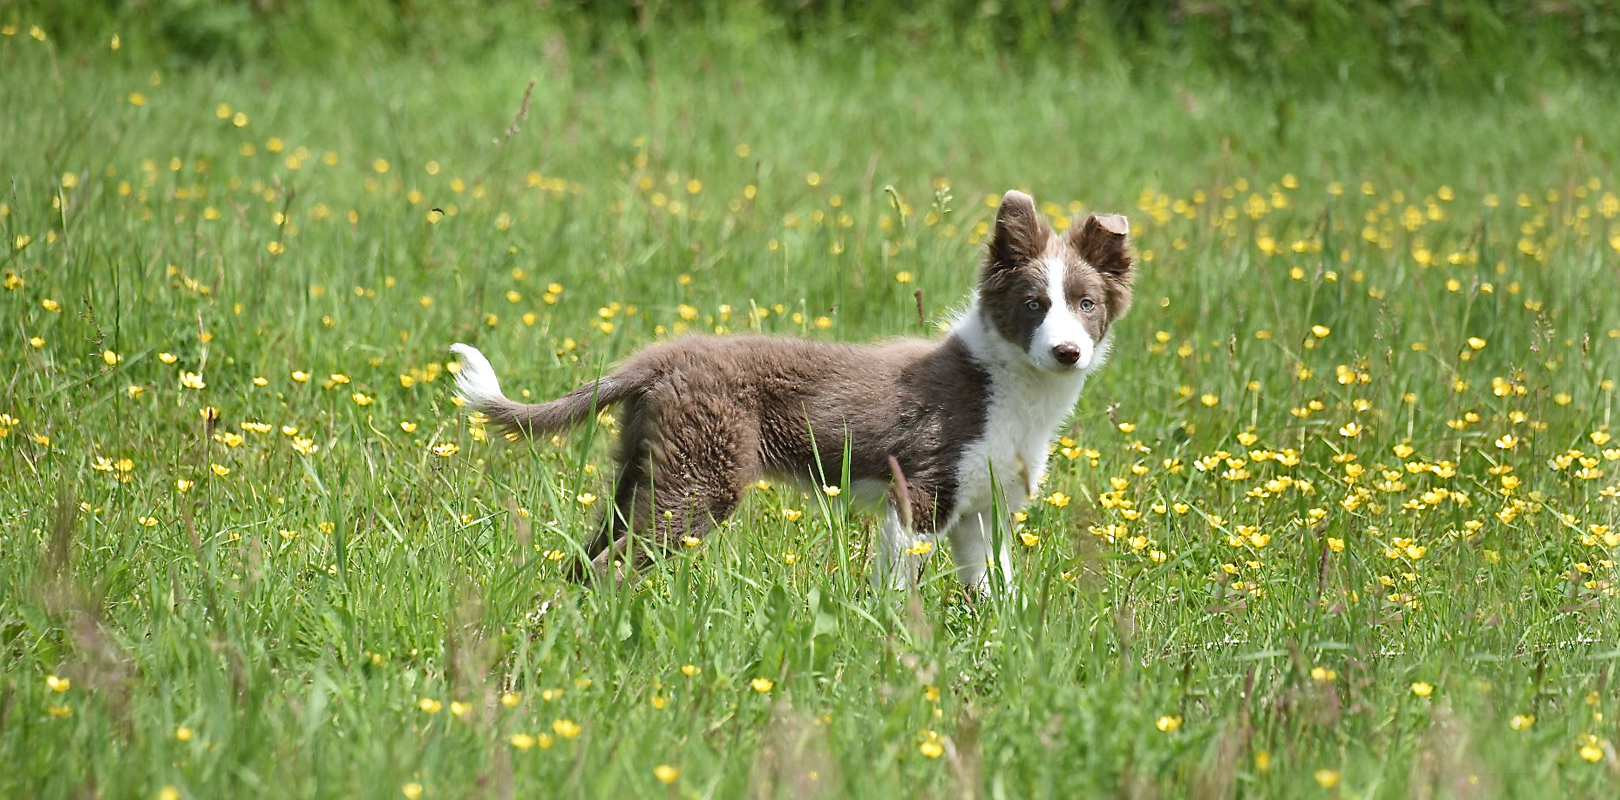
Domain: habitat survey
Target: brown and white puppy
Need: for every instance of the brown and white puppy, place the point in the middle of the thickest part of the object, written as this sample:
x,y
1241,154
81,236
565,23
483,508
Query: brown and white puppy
x,y
966,421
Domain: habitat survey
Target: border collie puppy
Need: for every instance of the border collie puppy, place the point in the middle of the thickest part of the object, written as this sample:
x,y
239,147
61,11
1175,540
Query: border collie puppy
x,y
955,432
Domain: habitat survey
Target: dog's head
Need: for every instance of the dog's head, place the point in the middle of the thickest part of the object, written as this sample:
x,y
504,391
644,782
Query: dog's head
x,y
1054,297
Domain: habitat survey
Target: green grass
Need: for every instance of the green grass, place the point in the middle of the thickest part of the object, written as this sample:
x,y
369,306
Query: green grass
x,y
303,612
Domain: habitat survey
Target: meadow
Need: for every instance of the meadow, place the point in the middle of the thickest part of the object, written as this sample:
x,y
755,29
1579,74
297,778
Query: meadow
x,y
1338,520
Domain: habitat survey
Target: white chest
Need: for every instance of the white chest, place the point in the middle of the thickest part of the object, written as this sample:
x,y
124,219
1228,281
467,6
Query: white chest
x,y
1007,465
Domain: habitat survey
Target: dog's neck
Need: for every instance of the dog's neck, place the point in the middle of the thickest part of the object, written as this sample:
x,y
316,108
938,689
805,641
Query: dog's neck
x,y
1027,401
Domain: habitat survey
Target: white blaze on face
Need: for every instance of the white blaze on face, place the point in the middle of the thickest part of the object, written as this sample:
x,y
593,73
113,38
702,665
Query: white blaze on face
x,y
1060,327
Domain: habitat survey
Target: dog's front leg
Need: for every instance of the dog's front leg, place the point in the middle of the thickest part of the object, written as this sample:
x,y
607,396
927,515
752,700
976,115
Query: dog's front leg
x,y
900,555
972,542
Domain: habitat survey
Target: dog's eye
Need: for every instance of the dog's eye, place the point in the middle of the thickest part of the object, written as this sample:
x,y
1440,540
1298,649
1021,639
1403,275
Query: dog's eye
x,y
1086,304
1036,306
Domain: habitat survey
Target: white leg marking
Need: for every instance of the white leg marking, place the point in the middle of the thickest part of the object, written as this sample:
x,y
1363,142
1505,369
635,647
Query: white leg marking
x,y
970,549
893,566
972,542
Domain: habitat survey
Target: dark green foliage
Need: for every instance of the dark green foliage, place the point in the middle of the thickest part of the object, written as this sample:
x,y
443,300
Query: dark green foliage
x,y
1442,44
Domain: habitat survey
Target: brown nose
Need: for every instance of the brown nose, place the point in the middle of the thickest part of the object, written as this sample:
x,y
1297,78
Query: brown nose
x,y
1066,353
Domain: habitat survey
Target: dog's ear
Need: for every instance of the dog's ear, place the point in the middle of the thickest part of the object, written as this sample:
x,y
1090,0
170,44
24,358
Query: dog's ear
x,y
1021,232
1103,240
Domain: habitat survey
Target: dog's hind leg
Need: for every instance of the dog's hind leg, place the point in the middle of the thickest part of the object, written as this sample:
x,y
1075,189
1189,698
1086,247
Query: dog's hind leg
x,y
630,485
657,525
701,460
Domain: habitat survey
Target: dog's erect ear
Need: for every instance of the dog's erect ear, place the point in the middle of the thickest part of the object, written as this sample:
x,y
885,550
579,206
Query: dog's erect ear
x,y
1021,232
1102,240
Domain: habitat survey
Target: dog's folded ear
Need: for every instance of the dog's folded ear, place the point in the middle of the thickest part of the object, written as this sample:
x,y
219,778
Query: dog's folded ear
x,y
1021,232
1103,241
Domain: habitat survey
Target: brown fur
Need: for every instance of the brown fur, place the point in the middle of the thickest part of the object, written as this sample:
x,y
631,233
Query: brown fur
x,y
1099,269
705,417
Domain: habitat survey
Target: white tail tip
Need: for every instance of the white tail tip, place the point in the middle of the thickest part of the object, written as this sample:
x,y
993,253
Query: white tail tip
x,y
476,382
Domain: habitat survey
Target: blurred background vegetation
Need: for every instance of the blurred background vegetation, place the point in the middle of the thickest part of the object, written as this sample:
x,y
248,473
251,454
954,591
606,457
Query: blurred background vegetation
x,y
1512,46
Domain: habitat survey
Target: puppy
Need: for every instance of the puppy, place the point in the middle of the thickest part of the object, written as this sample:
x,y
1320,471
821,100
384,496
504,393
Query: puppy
x,y
954,432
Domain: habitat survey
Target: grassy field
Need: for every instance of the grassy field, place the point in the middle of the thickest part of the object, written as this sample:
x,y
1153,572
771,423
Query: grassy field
x,y
1339,520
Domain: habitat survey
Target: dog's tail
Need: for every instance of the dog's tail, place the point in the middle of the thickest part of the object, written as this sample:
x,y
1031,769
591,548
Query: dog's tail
x,y
481,390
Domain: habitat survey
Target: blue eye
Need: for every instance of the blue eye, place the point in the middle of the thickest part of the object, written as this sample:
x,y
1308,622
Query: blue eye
x,y
1087,305
1035,305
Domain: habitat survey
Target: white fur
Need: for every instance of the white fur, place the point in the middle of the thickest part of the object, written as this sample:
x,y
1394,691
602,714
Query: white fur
x,y
1060,326
893,565
1030,396
971,544
476,382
